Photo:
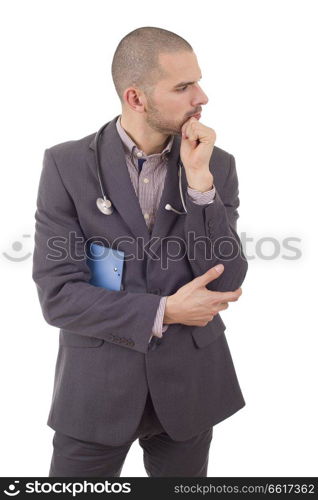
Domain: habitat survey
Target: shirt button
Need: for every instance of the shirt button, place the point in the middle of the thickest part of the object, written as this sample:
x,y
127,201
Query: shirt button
x,y
146,180
139,154
146,216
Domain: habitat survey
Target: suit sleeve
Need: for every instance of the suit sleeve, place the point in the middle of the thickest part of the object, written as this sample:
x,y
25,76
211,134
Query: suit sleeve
x,y
211,237
67,299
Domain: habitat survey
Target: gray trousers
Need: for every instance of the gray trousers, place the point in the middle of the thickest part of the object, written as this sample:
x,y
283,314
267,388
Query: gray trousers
x,y
162,456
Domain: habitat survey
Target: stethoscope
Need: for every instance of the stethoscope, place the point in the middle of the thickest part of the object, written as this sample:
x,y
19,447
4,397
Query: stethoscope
x,y
105,205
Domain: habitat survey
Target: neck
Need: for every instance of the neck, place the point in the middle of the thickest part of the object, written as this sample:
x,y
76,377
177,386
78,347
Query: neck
x,y
147,139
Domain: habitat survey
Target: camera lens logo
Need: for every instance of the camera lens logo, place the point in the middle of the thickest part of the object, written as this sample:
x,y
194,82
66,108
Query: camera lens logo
x,y
13,492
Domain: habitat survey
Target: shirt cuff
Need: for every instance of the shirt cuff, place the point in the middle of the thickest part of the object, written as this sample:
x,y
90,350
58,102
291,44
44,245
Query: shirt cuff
x,y
201,198
158,327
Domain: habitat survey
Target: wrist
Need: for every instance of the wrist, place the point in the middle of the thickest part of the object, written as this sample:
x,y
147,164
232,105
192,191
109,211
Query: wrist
x,y
200,183
170,309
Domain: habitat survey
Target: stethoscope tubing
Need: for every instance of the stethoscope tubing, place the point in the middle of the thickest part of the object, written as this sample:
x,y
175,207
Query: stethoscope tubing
x,y
104,204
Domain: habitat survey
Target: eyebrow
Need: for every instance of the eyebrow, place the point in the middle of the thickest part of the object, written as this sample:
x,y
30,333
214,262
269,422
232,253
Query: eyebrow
x,y
182,84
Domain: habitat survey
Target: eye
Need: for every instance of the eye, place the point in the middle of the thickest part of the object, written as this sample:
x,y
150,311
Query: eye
x,y
181,89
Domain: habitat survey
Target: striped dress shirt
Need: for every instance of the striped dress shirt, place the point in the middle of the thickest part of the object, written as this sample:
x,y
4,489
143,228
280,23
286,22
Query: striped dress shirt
x,y
147,174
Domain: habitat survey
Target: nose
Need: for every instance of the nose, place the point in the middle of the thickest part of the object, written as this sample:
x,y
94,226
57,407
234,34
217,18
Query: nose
x,y
200,97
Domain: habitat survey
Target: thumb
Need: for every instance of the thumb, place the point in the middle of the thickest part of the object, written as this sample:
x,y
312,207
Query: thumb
x,y
210,275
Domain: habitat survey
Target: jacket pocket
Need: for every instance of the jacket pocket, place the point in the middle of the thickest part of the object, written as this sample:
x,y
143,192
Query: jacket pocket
x,y
71,339
204,335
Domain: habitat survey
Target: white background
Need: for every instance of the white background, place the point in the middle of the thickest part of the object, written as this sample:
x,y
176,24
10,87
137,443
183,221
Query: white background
x,y
259,66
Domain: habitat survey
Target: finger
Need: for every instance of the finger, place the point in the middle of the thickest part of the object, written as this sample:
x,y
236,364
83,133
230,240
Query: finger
x,y
226,296
219,307
210,275
192,130
199,132
195,130
187,126
185,133
231,296
223,306
184,128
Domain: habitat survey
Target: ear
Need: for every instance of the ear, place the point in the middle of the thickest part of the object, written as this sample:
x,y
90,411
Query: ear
x,y
134,99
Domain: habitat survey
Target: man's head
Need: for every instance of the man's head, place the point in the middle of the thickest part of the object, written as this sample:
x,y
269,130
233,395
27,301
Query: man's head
x,y
150,69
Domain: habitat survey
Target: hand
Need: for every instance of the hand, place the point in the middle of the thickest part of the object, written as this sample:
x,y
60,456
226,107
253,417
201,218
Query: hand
x,y
193,304
197,145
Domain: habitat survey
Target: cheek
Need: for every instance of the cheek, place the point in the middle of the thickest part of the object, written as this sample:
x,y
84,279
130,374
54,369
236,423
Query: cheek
x,y
178,104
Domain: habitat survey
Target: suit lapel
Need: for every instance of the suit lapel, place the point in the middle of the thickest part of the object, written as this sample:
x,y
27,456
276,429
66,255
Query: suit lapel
x,y
116,180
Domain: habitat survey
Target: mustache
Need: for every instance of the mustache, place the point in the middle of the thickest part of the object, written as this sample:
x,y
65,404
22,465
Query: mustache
x,y
195,112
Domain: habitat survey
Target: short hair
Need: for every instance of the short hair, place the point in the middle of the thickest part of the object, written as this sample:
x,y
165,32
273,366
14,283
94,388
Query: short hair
x,y
136,58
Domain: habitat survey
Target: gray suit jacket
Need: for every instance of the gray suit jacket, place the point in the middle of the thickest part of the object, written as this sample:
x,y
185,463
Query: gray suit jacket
x,y
105,363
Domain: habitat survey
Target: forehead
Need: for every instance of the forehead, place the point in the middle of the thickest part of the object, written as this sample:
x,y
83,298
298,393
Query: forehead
x,y
179,66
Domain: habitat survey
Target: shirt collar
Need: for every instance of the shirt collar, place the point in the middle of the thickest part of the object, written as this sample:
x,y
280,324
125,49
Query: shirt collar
x,y
134,151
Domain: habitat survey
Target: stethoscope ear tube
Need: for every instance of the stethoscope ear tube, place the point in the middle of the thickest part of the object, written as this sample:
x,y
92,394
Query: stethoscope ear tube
x,y
180,188
168,206
104,205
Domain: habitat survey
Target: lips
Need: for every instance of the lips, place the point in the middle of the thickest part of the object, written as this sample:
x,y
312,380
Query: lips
x,y
198,116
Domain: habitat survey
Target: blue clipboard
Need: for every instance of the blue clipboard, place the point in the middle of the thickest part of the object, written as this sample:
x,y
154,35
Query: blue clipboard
x,y
106,266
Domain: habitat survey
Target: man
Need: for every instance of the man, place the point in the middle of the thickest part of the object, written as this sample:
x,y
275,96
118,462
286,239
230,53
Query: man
x,y
150,361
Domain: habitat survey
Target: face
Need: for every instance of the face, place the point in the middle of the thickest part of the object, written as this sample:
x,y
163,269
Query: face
x,y
177,96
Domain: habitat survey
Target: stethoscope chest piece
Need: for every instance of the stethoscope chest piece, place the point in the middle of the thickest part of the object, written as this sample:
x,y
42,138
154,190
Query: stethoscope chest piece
x,y
105,206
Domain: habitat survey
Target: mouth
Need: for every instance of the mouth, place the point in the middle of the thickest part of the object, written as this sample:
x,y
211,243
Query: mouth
x,y
197,116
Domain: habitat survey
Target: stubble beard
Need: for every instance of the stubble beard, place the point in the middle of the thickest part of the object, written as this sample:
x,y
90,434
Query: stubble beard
x,y
157,122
